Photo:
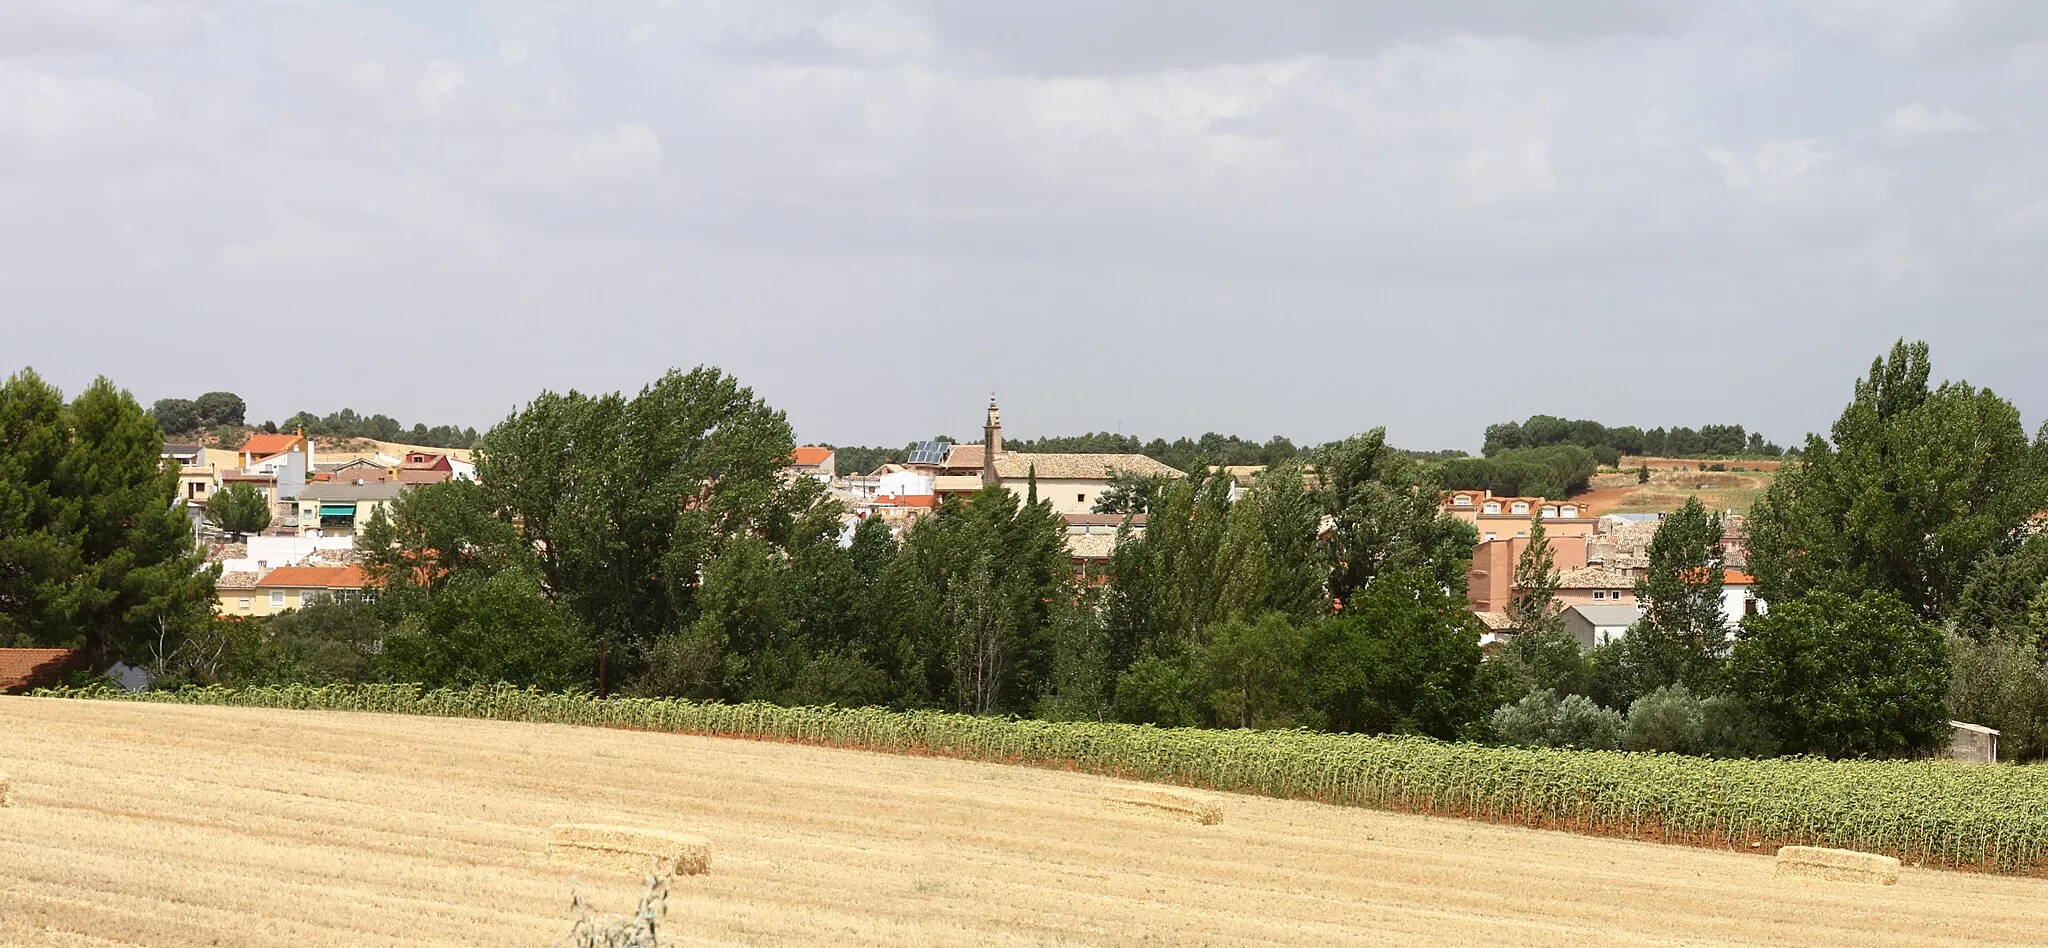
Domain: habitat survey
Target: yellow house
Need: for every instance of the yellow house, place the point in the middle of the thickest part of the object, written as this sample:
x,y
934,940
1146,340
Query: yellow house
x,y
343,508
290,587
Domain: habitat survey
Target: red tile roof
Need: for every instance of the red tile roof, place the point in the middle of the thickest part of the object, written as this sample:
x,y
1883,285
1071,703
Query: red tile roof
x,y
908,500
265,445
316,577
809,456
23,669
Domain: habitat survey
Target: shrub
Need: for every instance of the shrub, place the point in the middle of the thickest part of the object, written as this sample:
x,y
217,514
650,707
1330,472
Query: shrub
x,y
1667,719
1544,720
1845,677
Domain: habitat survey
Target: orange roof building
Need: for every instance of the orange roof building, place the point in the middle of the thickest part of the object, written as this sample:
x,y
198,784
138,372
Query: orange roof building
x,y
25,669
292,587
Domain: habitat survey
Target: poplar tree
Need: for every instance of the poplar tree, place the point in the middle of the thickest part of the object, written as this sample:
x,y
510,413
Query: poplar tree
x,y
1533,603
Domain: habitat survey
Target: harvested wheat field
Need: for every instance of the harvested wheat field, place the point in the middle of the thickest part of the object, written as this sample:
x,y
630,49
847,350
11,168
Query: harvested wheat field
x,y
181,825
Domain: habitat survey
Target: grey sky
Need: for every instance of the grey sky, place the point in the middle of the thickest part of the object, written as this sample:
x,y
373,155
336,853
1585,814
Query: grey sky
x,y
1162,216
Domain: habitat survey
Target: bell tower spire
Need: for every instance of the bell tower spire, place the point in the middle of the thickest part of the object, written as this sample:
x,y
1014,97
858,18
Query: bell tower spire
x,y
991,442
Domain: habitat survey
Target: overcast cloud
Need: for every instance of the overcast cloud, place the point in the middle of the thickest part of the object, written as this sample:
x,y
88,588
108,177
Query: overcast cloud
x,y
1157,216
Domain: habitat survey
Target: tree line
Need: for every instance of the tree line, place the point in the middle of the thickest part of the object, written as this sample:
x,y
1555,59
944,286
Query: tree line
x,y
225,414
647,544
1180,453
1610,444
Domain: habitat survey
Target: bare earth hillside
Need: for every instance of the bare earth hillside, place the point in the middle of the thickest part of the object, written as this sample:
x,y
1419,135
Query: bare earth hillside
x,y
179,825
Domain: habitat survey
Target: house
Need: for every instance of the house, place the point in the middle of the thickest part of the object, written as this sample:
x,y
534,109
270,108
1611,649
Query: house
x,y
268,449
292,587
1738,597
1499,628
1595,586
353,469
26,669
901,483
816,462
1597,625
235,593
1070,482
343,508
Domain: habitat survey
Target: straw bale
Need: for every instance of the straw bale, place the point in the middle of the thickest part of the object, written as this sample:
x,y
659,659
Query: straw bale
x,y
1837,865
1166,802
627,849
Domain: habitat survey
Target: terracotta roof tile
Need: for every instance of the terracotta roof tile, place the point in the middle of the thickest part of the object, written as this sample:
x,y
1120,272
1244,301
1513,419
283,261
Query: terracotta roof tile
x,y
1016,464
1594,577
809,456
265,445
237,580
22,669
316,577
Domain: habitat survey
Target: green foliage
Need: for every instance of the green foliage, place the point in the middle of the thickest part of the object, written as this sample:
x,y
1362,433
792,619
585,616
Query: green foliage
x,y
968,603
479,630
1385,517
1926,813
238,510
176,415
1181,454
1252,674
1530,662
1845,677
220,408
438,531
347,424
1708,441
95,552
626,500
1543,719
1687,640
1674,720
1158,691
1643,474
1532,603
2001,681
1200,560
1129,492
1555,471
1401,658
1913,489
328,641
2008,595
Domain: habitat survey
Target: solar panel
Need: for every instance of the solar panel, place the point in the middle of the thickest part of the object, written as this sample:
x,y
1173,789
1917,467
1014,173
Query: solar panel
x,y
929,452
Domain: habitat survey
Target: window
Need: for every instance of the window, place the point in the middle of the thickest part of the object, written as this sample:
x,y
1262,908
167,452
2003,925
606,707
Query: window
x,y
1492,508
276,598
1549,512
1520,507
1614,594
1493,536
1749,607
1568,512
1599,593
1462,500
1080,498
1521,533
243,604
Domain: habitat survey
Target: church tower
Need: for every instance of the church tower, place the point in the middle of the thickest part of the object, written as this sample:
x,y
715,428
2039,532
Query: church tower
x,y
991,443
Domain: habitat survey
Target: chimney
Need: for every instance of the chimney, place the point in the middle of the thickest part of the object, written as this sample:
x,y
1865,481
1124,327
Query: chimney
x,y
991,443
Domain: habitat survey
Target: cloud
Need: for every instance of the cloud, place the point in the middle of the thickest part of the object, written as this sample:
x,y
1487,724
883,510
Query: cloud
x,y
46,108
437,88
1915,124
1507,174
1772,168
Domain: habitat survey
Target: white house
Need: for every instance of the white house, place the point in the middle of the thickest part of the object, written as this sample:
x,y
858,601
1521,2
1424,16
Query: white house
x,y
903,484
1597,625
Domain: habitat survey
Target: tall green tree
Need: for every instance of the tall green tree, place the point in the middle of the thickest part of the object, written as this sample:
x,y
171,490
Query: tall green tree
x,y
1533,602
95,553
175,415
1401,657
220,408
1913,487
1681,591
238,510
626,501
1385,518
1845,677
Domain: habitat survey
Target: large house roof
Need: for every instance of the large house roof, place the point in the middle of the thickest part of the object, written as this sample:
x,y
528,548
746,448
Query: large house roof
x,y
317,577
809,456
1015,464
264,445
350,490
1594,577
24,668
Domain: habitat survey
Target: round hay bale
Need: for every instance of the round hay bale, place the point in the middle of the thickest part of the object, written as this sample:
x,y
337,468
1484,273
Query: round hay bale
x,y
1837,865
1164,803
629,850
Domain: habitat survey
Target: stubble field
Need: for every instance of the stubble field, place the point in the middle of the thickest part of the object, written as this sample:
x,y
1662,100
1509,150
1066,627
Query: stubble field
x,y
180,825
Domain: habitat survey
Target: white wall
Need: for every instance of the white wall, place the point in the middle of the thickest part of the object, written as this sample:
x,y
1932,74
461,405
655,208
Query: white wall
x,y
269,553
903,484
